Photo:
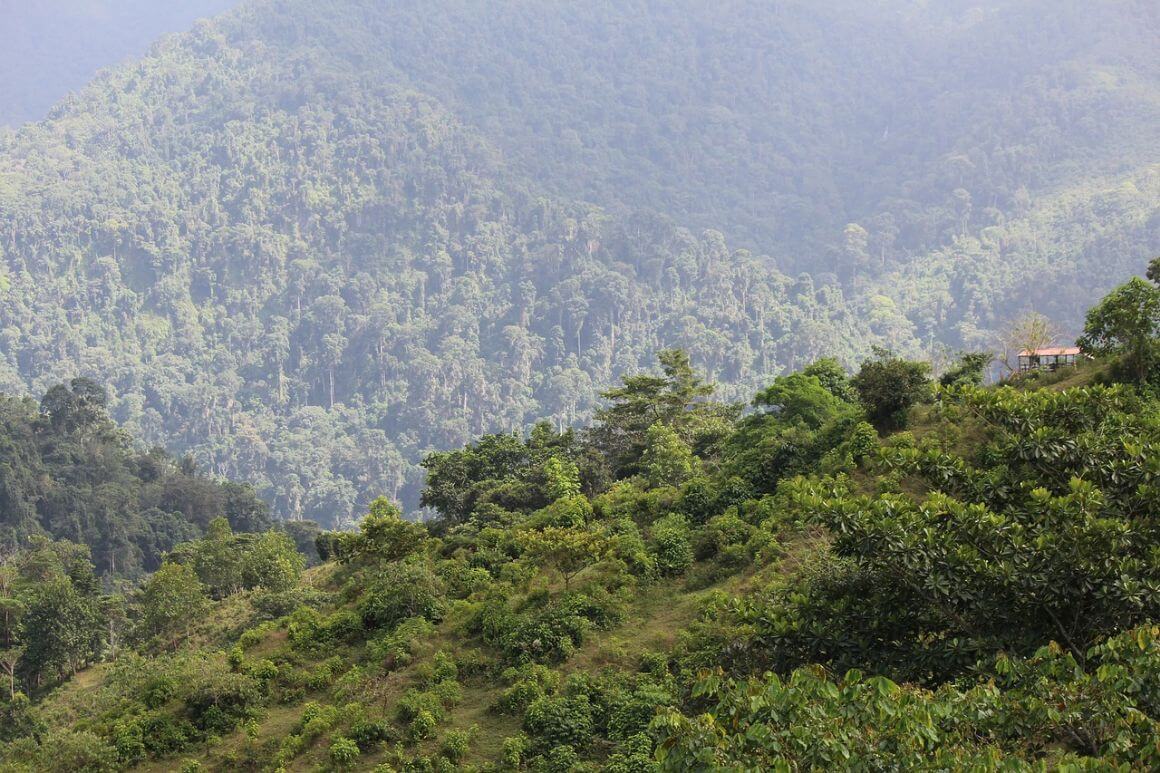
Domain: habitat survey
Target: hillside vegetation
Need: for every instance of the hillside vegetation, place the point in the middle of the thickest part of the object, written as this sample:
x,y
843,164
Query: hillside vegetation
x,y
67,472
866,572
309,242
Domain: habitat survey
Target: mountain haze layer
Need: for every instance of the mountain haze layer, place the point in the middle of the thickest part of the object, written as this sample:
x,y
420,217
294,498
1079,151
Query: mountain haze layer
x,y
306,242
51,47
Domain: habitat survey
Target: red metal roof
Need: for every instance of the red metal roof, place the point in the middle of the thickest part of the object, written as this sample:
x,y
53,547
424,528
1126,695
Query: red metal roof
x,y
1055,351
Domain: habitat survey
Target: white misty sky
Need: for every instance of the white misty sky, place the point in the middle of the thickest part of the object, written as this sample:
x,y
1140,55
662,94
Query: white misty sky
x,y
51,47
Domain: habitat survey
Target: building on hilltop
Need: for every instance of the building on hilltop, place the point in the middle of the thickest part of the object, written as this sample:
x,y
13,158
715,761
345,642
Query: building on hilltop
x,y
1052,358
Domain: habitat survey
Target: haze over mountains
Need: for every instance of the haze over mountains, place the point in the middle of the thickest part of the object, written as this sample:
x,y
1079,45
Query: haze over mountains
x,y
51,47
308,241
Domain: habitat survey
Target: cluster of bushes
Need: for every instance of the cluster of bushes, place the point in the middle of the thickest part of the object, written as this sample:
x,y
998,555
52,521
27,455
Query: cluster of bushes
x,y
547,630
565,719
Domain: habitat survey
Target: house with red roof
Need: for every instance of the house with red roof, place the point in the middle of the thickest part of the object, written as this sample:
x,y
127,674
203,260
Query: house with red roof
x,y
1049,358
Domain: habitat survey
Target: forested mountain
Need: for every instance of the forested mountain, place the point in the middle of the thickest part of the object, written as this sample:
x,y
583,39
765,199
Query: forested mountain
x,y
308,241
51,47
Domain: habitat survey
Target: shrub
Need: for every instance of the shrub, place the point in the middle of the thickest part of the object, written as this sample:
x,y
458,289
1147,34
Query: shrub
x,y
672,544
164,735
514,749
560,720
79,751
158,691
463,580
457,743
602,609
628,546
635,754
528,684
719,533
343,751
422,726
130,744
400,591
560,759
219,702
396,649
316,720
367,733
550,637
888,386
272,605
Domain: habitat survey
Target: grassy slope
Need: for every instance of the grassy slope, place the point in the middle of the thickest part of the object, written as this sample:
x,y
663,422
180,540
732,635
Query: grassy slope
x,y
655,621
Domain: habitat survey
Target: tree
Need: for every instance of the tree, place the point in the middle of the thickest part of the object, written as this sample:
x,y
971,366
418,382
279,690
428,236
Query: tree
x,y
401,590
9,662
171,602
217,559
384,535
802,398
676,399
568,550
1126,323
889,386
61,630
273,562
563,478
667,460
831,375
969,369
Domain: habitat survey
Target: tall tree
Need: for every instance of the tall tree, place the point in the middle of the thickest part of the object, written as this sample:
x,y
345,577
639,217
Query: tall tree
x,y
1126,323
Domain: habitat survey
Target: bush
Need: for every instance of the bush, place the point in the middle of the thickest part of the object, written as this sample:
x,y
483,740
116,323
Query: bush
x,y
219,702
560,720
628,546
888,386
400,591
457,743
316,720
272,605
514,749
164,735
599,607
77,752
721,532
463,580
343,626
158,691
625,500
549,637
422,725
672,544
368,733
528,684
130,744
396,649
343,751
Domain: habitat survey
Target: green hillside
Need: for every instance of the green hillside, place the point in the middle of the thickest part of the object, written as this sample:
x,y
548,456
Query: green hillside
x,y
867,572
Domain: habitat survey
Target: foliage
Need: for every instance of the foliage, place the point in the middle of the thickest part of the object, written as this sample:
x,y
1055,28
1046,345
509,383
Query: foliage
x,y
568,550
67,471
171,600
1126,322
809,720
969,370
889,386
400,591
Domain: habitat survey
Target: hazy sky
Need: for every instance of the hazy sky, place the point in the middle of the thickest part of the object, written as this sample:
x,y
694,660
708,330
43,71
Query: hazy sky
x,y
51,47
